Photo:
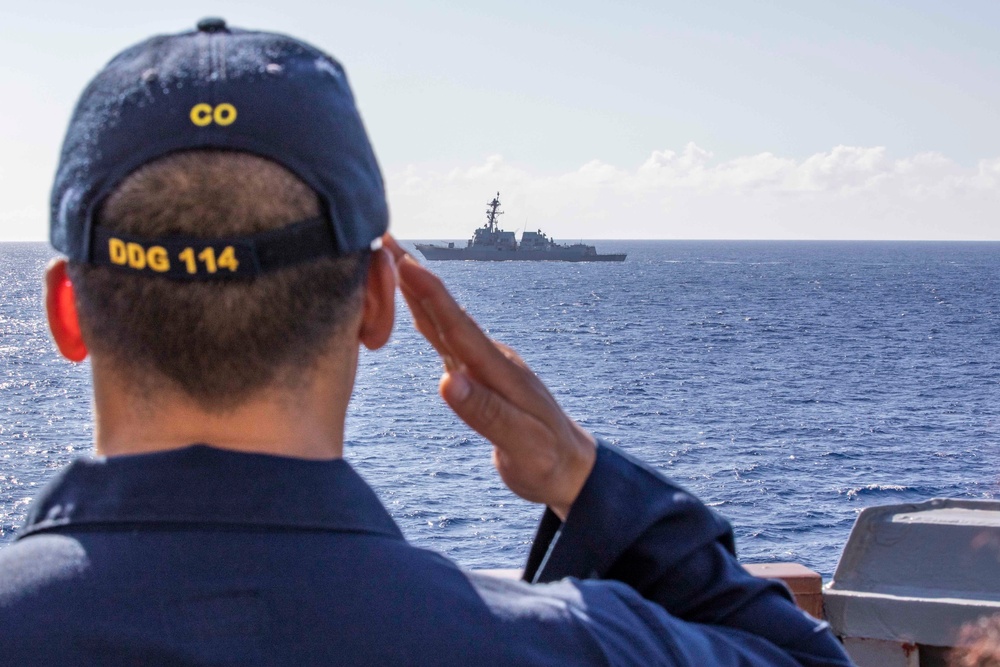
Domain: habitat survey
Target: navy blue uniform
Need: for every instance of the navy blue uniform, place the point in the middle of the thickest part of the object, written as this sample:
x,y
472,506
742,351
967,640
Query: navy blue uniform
x,y
201,556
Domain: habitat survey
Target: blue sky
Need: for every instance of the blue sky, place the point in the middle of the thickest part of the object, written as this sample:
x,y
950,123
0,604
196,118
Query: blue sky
x,y
600,119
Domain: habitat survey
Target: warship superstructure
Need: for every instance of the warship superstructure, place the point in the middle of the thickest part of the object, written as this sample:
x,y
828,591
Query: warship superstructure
x,y
491,244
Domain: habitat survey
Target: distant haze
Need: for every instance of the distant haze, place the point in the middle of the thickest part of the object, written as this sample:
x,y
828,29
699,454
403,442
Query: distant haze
x,y
844,193
646,119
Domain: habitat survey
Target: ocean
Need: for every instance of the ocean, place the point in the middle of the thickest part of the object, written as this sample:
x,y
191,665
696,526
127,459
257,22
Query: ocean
x,y
787,384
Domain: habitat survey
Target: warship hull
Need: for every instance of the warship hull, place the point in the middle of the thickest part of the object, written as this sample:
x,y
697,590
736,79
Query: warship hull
x,y
435,253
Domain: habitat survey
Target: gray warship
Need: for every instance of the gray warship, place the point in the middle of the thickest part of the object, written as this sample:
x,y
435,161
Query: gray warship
x,y
489,243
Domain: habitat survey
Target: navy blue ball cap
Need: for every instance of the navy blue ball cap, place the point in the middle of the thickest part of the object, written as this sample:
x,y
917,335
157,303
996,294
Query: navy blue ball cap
x,y
219,88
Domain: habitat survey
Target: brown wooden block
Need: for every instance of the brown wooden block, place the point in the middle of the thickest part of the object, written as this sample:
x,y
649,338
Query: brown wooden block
x,y
805,584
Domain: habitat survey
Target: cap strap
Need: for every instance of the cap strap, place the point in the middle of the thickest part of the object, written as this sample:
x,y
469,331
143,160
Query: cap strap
x,y
194,258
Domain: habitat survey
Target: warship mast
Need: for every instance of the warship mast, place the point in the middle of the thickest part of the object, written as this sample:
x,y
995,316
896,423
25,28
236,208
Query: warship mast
x,y
492,214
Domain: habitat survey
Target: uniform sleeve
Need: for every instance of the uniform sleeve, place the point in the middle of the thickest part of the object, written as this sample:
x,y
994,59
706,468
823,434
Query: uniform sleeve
x,y
631,525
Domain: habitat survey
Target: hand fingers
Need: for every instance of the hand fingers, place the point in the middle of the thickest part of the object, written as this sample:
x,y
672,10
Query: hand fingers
x,y
495,418
421,320
460,341
540,461
424,294
392,245
425,325
540,398
540,453
458,332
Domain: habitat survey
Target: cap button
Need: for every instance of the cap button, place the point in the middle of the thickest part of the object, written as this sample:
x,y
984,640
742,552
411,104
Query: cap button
x,y
211,24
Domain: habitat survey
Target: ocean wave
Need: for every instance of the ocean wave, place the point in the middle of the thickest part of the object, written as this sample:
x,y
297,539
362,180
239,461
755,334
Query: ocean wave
x,y
874,489
714,373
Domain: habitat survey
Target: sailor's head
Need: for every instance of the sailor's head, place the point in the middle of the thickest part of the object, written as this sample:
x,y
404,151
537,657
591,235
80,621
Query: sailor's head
x,y
218,202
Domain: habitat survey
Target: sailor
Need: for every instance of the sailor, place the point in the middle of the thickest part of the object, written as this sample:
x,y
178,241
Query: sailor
x,y
223,222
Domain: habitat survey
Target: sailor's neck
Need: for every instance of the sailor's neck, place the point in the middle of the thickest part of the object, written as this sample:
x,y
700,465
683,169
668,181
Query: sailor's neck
x,y
304,422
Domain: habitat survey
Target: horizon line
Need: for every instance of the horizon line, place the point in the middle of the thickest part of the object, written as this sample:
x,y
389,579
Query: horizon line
x,y
695,240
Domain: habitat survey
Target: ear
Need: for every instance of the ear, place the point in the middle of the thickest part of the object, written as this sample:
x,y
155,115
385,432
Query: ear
x,y
379,310
60,306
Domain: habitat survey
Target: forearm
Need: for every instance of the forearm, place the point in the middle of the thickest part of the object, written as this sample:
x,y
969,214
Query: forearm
x,y
632,525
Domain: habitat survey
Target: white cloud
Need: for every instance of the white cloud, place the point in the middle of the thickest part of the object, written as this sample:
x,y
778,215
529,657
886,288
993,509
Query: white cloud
x,y
30,223
847,192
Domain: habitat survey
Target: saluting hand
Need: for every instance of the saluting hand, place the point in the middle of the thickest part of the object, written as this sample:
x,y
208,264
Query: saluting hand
x,y
541,454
